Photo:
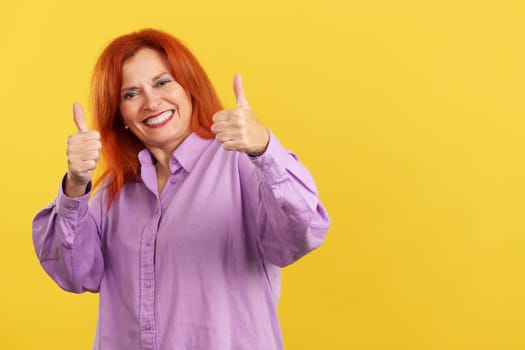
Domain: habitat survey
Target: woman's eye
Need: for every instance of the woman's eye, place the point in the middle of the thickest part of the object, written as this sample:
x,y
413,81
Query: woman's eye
x,y
162,82
129,95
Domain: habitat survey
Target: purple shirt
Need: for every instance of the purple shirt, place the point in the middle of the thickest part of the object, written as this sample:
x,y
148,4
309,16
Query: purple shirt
x,y
197,267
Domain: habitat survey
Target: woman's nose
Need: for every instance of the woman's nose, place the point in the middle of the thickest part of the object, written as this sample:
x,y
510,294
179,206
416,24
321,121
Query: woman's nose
x,y
151,101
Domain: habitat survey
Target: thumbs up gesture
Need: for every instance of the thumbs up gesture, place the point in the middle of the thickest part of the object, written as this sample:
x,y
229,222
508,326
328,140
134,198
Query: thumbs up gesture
x,y
238,129
83,151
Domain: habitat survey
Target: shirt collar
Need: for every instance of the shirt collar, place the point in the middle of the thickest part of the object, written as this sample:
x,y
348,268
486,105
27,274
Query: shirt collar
x,y
186,154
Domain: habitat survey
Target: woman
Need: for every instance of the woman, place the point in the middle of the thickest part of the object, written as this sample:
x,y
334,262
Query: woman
x,y
197,208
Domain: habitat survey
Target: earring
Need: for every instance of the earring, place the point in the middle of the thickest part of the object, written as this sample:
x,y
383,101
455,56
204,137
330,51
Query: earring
x,y
126,127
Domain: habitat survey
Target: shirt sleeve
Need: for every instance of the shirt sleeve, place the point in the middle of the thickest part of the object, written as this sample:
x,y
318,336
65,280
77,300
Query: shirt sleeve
x,y
66,237
290,219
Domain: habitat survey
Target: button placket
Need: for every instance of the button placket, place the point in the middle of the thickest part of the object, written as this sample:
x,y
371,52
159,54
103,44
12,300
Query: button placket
x,y
147,278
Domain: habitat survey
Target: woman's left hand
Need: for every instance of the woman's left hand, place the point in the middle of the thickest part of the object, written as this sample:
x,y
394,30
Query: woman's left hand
x,y
238,129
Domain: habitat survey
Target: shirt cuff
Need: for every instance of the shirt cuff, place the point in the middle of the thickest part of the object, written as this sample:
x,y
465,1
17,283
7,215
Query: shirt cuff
x,y
273,163
72,208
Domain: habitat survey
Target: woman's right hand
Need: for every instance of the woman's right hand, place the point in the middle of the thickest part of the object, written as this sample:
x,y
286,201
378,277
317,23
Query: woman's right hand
x,y
83,151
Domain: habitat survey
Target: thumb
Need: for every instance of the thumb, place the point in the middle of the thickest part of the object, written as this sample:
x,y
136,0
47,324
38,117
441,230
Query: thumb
x,y
238,89
78,117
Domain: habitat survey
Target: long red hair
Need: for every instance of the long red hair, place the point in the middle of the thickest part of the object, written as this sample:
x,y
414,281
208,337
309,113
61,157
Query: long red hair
x,y
119,146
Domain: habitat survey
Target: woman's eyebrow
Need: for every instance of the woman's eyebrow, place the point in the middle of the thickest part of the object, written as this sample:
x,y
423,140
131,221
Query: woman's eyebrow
x,y
152,79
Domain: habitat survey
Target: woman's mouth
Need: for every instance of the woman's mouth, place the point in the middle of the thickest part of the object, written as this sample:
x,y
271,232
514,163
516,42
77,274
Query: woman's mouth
x,y
159,120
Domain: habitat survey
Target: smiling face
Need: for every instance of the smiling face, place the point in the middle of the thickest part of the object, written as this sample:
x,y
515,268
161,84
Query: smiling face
x,y
153,105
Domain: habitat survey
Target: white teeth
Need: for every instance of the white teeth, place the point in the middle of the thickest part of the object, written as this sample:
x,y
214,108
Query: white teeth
x,y
159,119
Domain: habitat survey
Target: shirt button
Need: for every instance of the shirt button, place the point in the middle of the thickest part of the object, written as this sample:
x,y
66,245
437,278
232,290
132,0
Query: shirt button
x,y
148,243
173,180
147,327
147,284
266,167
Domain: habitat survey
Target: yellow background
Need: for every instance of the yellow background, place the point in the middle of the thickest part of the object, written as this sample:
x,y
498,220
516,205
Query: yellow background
x,y
409,114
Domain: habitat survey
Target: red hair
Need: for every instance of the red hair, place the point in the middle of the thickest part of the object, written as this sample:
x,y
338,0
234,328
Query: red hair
x,y
119,146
